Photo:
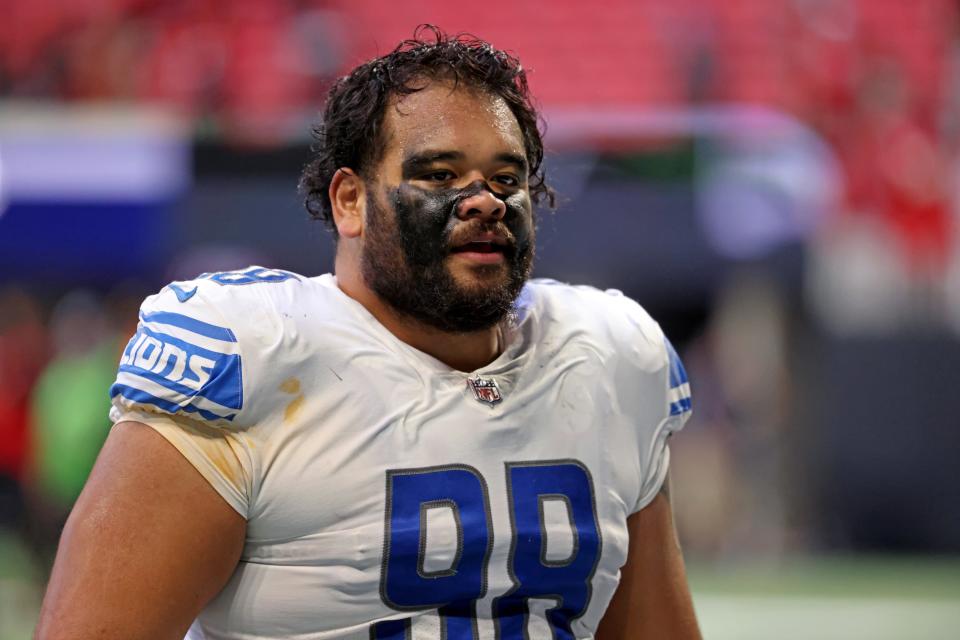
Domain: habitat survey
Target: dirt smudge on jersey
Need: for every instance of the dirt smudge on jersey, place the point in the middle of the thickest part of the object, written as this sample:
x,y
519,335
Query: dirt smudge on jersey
x,y
290,385
293,408
226,464
218,448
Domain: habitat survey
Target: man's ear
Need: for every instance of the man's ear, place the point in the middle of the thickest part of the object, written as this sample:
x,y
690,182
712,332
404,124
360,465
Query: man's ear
x,y
348,200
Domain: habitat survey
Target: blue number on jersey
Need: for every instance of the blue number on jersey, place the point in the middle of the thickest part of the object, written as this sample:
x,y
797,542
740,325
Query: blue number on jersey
x,y
404,582
566,580
406,586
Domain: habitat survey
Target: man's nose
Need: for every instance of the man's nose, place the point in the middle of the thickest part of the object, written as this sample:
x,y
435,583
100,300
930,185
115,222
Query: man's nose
x,y
482,204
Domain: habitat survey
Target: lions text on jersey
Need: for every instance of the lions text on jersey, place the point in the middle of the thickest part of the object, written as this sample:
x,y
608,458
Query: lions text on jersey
x,y
389,496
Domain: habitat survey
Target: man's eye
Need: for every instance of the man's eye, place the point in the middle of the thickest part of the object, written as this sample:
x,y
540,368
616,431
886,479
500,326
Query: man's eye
x,y
507,180
438,176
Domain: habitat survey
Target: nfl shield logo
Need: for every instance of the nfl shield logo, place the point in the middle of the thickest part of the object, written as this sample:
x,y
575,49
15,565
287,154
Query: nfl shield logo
x,y
485,390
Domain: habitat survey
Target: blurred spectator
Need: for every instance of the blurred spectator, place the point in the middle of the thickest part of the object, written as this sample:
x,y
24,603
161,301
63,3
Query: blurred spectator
x,y
856,283
69,408
895,170
730,468
881,267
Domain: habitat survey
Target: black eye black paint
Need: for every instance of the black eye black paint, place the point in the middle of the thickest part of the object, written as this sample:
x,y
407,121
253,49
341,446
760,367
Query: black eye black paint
x,y
405,262
426,218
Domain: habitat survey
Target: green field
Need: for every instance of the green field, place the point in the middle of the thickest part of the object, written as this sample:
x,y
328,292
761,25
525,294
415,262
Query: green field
x,y
841,598
827,598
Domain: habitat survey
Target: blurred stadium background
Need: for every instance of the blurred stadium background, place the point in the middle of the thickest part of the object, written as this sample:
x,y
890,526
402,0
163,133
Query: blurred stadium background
x,y
777,181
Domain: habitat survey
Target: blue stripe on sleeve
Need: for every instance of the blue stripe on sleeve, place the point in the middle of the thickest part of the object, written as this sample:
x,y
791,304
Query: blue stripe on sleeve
x,y
169,384
681,406
678,375
678,378
190,324
142,397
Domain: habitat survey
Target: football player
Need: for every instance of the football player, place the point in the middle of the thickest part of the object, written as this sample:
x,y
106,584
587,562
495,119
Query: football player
x,y
425,444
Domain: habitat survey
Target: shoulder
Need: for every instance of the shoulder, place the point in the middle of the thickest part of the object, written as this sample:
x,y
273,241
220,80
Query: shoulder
x,y
242,308
252,303
228,292
607,316
205,347
616,327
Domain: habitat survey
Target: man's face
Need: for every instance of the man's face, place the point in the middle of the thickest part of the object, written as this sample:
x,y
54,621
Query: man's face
x,y
449,235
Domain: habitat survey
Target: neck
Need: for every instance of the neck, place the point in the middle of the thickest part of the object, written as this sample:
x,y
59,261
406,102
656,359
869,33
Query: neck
x,y
461,351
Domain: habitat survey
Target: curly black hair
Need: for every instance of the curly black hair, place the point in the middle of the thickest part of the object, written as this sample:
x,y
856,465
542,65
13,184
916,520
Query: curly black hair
x,y
351,131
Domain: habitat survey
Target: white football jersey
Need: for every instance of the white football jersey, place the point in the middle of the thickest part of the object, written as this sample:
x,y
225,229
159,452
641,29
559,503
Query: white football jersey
x,y
388,496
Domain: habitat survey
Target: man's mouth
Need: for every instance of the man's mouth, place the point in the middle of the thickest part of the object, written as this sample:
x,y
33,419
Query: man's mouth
x,y
486,248
479,246
483,242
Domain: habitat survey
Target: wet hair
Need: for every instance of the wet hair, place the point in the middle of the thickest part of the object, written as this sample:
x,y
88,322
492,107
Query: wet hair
x,y
351,134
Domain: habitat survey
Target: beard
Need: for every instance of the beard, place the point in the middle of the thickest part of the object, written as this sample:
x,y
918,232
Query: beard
x,y
405,257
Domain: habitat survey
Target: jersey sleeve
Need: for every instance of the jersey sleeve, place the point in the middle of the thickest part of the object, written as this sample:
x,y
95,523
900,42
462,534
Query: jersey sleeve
x,y
651,389
187,373
224,458
676,410
184,360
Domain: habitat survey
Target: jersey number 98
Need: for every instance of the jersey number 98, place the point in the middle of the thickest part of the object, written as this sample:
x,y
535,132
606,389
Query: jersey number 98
x,y
536,490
